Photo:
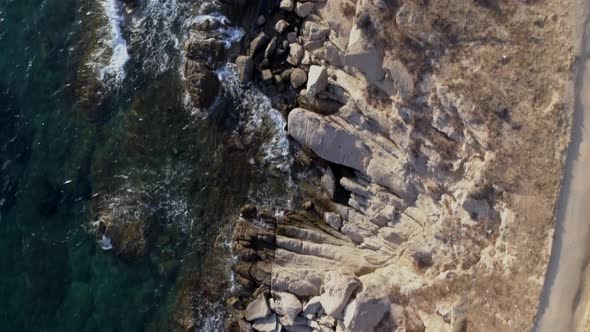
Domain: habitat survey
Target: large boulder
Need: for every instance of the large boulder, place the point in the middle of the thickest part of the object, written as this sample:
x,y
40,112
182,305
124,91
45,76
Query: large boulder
x,y
202,83
337,289
257,309
287,306
317,80
365,54
327,140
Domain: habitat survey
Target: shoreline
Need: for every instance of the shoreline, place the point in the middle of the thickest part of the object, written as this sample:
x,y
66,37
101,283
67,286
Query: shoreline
x,y
421,200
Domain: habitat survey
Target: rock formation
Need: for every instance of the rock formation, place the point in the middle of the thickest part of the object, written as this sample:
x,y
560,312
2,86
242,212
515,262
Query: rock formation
x,y
440,128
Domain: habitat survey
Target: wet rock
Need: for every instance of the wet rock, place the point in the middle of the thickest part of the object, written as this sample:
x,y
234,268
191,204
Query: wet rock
x,y
281,26
317,80
260,20
271,48
257,309
245,68
295,54
248,211
258,44
287,5
202,83
298,78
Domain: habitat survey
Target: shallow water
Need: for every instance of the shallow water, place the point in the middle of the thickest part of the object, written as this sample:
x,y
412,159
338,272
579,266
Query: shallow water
x,y
135,149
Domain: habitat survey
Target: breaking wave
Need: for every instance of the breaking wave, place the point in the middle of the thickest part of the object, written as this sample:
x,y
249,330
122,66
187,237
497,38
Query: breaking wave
x,y
113,69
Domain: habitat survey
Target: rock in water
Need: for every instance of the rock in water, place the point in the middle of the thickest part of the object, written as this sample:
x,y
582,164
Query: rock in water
x,y
201,83
245,68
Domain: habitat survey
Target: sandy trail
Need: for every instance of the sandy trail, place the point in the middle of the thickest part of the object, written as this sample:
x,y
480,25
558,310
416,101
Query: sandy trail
x,y
563,305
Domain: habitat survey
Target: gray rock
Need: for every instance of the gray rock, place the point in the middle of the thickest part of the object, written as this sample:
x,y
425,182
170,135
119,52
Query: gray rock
x,y
333,220
268,324
257,309
245,68
202,83
287,5
365,55
258,44
317,80
304,8
313,306
292,37
260,20
281,26
337,289
295,54
298,78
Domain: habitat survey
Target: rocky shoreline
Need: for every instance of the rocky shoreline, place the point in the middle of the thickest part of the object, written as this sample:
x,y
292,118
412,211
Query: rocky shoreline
x,y
437,132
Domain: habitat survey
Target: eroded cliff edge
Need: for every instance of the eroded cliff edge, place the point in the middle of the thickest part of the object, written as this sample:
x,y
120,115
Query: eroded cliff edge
x,y
439,129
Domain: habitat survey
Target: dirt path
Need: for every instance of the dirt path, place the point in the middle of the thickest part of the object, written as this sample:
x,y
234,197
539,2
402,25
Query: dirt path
x,y
563,305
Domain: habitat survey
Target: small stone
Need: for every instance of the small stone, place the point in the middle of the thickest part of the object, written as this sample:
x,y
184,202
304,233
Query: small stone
x,y
287,74
295,54
422,259
333,220
260,20
281,26
303,9
316,31
308,205
287,5
264,64
266,76
329,182
292,37
298,78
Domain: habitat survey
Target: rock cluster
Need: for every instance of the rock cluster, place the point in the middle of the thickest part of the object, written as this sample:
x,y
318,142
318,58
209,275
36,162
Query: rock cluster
x,y
410,202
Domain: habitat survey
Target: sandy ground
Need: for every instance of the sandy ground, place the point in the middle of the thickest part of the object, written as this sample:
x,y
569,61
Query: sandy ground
x,y
563,305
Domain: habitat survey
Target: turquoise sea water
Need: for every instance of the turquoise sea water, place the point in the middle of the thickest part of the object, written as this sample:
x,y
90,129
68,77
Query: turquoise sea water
x,y
135,151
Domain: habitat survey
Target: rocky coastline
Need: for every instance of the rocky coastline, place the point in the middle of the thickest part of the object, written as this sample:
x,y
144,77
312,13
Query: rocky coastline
x,y
429,145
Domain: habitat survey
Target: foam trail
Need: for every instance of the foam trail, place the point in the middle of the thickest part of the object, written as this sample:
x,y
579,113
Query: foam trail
x,y
115,69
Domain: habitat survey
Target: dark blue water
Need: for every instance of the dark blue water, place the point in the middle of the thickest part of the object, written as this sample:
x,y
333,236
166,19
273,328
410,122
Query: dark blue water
x,y
74,150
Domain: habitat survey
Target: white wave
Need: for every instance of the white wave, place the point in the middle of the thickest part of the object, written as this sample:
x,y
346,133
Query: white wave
x,y
114,69
227,33
261,118
158,31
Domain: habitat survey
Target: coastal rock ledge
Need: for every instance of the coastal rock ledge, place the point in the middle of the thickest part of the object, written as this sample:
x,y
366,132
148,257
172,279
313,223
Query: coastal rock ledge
x,y
439,129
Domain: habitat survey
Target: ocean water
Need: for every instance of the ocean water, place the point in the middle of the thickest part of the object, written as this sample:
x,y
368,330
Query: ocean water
x,y
94,125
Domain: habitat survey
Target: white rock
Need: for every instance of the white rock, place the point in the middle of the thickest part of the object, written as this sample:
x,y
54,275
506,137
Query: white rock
x,y
317,80
287,5
281,26
268,324
286,305
337,289
257,309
